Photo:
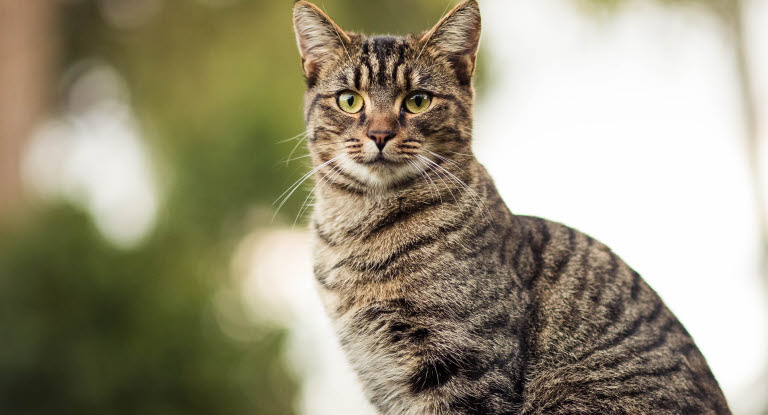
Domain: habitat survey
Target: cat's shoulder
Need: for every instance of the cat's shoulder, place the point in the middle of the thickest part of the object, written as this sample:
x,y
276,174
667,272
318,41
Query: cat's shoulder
x,y
551,234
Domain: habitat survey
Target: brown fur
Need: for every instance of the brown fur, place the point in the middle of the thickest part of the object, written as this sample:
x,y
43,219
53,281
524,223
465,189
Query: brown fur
x,y
444,301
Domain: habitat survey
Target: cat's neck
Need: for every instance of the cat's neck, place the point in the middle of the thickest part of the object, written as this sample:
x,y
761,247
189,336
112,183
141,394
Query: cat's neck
x,y
453,188
431,182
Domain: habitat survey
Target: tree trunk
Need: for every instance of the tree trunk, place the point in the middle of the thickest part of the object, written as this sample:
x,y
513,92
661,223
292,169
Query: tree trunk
x,y
26,63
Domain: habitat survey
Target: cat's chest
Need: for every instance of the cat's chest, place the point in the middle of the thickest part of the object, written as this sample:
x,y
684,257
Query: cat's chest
x,y
385,340
384,262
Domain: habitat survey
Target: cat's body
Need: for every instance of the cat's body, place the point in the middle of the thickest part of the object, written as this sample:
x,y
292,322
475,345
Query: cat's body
x,y
444,301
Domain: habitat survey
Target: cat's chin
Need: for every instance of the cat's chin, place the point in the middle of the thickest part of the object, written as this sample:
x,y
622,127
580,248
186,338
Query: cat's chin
x,y
380,173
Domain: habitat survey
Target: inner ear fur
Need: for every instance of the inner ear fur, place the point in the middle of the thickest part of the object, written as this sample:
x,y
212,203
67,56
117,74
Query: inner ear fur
x,y
457,37
318,37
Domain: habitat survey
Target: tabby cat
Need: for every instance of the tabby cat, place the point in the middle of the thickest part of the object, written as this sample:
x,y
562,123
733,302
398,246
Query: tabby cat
x,y
445,302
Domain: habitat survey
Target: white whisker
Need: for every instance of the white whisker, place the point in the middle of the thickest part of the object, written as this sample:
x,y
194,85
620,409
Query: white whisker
x,y
304,204
298,183
475,197
440,176
296,137
322,182
422,173
341,40
293,150
432,32
446,159
286,161
456,152
435,186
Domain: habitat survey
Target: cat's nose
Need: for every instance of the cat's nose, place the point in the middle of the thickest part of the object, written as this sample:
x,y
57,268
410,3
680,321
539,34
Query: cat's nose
x,y
381,137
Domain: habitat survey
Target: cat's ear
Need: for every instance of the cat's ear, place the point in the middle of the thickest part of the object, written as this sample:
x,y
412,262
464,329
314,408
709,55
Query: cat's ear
x,y
318,37
457,36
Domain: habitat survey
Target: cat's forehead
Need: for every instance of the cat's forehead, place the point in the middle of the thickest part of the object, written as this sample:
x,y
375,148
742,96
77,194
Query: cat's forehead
x,y
383,47
383,64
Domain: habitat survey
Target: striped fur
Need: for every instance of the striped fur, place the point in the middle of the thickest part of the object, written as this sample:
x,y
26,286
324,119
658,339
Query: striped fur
x,y
443,300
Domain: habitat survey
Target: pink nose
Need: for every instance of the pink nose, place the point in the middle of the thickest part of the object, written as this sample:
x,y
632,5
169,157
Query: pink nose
x,y
381,137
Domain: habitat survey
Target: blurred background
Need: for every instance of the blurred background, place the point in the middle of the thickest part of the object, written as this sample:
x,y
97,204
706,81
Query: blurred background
x,y
143,268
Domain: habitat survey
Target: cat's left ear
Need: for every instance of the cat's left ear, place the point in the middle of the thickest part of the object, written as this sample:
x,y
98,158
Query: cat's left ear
x,y
318,37
457,36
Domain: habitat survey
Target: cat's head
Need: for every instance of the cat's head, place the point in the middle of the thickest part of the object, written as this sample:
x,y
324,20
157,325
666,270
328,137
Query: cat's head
x,y
380,109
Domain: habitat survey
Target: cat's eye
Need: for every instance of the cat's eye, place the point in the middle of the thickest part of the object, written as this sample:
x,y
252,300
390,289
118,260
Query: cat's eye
x,y
350,101
417,102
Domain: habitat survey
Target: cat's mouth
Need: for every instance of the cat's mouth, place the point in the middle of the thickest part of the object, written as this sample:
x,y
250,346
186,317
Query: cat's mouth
x,y
380,170
380,159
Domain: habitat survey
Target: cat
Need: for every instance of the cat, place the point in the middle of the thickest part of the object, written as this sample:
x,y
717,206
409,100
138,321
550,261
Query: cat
x,y
443,300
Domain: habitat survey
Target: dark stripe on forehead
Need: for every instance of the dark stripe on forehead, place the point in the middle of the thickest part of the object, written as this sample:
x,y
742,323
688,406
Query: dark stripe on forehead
x,y
400,61
365,61
357,78
384,47
343,78
407,76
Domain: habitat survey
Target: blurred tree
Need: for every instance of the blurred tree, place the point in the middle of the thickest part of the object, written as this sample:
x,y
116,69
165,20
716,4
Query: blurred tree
x,y
26,55
89,329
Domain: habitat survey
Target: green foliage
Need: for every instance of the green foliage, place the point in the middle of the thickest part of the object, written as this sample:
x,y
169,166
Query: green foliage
x,y
89,329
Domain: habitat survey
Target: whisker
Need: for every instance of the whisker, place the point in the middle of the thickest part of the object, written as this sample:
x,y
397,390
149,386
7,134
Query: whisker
x,y
293,150
290,159
305,135
328,143
456,152
440,176
446,159
340,39
439,195
422,173
297,136
286,161
475,197
304,204
287,194
322,182
431,33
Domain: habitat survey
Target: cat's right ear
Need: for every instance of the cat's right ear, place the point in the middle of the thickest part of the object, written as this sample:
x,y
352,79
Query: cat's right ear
x,y
318,37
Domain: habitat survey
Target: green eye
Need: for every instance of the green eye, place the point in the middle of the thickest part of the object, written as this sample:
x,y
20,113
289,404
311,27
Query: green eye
x,y
350,101
417,102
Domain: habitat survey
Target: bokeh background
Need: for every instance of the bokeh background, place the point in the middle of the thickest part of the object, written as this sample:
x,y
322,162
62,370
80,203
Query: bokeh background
x,y
143,265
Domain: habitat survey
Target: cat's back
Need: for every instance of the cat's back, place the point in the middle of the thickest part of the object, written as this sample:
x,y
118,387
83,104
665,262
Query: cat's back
x,y
599,333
